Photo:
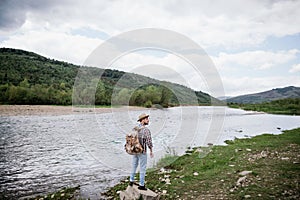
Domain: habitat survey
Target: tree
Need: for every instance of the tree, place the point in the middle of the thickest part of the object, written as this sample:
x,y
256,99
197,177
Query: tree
x,y
165,97
100,98
4,93
153,94
122,98
137,98
24,83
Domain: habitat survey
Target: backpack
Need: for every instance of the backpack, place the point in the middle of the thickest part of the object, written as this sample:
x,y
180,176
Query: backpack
x,y
133,146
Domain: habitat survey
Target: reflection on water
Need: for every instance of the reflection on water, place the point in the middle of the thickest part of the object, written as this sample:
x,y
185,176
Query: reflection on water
x,y
41,154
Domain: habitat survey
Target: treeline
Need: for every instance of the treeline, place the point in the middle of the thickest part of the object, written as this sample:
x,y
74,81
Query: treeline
x,y
28,78
146,96
28,94
289,106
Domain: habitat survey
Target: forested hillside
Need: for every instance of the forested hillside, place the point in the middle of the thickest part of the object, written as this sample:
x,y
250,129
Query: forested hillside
x,y
267,96
28,78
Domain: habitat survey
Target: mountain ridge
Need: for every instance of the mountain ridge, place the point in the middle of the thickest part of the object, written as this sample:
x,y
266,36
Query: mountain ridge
x,y
267,96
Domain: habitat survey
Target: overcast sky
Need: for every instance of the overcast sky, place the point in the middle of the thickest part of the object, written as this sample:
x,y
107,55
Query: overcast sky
x,y
254,44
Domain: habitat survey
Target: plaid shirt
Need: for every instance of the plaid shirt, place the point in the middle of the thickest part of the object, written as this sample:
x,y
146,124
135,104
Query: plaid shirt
x,y
145,138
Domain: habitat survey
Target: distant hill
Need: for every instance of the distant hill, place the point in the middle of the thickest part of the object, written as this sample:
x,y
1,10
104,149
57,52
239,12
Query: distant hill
x,y
222,98
267,96
28,78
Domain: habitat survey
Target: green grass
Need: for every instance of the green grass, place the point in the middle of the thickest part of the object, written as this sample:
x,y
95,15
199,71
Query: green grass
x,y
273,159
287,106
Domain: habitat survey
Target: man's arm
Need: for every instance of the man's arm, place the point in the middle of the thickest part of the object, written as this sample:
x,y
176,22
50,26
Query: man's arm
x,y
149,141
151,153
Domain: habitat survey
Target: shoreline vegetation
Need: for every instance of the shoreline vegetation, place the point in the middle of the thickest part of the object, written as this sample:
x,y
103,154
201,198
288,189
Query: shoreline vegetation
x,y
262,167
289,106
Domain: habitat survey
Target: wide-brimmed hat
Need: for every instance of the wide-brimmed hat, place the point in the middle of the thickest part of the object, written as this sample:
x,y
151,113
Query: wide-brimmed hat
x,y
142,116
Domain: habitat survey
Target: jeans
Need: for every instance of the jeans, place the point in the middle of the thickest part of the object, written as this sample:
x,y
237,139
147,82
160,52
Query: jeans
x,y
142,159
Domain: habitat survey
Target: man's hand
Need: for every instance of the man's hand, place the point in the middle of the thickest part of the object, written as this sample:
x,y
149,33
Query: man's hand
x,y
151,154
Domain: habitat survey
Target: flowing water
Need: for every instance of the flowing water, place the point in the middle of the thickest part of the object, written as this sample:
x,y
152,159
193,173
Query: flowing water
x,y
42,154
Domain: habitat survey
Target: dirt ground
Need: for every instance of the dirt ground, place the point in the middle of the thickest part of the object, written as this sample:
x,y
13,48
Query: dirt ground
x,y
16,110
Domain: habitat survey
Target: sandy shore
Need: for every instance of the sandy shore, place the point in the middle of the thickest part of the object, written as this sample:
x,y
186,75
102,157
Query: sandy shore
x,y
17,110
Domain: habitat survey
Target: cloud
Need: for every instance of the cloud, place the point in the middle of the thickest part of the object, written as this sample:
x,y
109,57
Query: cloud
x,y
14,13
55,45
258,60
295,68
229,24
11,20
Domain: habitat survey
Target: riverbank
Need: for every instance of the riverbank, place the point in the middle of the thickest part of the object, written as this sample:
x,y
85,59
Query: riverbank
x,y
18,110
262,167
283,106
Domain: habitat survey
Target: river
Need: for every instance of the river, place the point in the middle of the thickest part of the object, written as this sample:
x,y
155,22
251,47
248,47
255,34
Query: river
x,y
42,154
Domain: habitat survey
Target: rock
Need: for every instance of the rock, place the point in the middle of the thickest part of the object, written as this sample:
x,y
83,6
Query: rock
x,y
162,170
133,193
165,171
124,195
196,173
247,196
164,191
286,158
168,182
263,154
199,150
241,181
231,190
244,173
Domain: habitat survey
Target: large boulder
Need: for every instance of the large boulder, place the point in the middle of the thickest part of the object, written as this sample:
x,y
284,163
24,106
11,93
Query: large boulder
x,y
132,193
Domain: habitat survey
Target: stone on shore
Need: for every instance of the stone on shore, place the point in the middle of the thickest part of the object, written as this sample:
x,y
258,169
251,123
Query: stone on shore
x,y
132,193
245,173
241,181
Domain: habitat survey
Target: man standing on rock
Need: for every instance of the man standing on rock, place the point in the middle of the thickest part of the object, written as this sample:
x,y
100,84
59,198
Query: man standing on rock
x,y
145,140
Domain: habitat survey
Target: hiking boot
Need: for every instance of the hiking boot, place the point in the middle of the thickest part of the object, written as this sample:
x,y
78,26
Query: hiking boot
x,y
142,188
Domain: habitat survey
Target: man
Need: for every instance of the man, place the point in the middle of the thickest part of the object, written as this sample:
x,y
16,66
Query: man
x,y
145,140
